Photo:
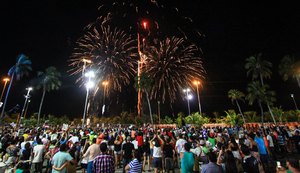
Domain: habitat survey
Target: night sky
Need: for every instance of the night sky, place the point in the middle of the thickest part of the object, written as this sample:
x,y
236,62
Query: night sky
x,y
46,31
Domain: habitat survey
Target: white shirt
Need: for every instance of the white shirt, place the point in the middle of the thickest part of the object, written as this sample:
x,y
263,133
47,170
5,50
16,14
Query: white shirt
x,y
180,145
269,138
74,139
38,151
157,152
135,143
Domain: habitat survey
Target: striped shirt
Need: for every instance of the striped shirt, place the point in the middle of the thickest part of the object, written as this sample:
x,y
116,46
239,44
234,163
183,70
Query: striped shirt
x,y
135,166
104,163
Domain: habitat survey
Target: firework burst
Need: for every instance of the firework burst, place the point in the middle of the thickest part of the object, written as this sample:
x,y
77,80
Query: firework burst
x,y
172,65
164,17
112,52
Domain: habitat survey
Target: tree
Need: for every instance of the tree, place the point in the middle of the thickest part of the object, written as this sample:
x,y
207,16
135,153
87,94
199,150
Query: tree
x,y
48,81
145,84
196,119
21,68
235,96
232,118
261,95
289,68
258,67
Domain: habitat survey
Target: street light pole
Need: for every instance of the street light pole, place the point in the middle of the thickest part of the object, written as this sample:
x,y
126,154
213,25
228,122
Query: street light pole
x,y
197,83
5,80
89,84
27,96
186,91
26,108
292,95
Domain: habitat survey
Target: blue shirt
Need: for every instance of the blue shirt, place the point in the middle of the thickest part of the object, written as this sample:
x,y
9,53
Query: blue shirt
x,y
187,162
261,145
59,159
135,166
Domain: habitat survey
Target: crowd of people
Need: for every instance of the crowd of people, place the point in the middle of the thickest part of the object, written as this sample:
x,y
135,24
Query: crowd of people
x,y
148,149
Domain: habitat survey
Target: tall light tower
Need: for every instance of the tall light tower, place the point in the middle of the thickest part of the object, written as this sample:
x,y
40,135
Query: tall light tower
x,y
292,95
89,85
27,96
197,83
188,98
145,27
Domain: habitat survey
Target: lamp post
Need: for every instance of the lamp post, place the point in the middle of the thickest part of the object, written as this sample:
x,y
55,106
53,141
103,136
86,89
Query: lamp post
x,y
144,24
188,98
197,83
292,95
89,84
27,108
104,84
27,96
5,80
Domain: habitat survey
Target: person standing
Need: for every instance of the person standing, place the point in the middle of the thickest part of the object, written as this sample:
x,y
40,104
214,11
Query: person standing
x,y
38,156
135,166
60,160
104,162
179,147
187,161
128,149
212,166
91,153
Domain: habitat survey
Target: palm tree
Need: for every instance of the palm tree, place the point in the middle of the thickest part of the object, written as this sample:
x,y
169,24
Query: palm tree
x,y
21,68
261,69
235,96
289,68
262,95
48,80
255,92
258,67
145,85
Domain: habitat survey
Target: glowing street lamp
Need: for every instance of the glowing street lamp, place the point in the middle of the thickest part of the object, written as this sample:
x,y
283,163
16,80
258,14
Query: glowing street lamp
x,y
188,98
5,80
105,84
197,83
89,85
27,96
292,95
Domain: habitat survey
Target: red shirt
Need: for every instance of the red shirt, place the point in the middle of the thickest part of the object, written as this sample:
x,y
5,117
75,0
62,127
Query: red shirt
x,y
139,139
